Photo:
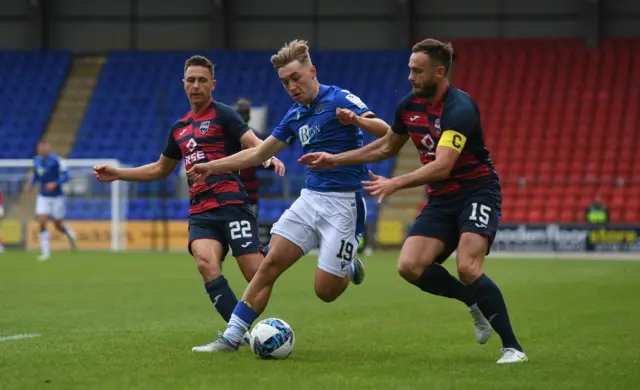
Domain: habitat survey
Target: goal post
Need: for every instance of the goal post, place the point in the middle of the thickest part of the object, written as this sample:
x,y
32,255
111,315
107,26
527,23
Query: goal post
x,y
86,198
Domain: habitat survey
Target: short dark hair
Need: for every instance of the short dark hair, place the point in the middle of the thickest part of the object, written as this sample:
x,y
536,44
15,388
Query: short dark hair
x,y
198,60
436,50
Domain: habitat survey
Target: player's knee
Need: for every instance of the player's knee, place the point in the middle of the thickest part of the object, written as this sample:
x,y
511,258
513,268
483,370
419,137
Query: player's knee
x,y
471,252
208,267
469,271
329,292
326,296
410,270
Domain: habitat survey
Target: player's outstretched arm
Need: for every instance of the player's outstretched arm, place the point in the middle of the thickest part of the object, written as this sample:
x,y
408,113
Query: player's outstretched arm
x,y
241,160
366,121
380,149
250,140
150,172
437,170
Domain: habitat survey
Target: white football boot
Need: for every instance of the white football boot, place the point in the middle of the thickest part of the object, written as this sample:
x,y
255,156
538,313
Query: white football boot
x,y
483,327
43,257
222,344
512,355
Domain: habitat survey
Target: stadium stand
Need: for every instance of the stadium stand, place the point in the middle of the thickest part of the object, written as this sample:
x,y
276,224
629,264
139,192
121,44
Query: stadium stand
x,y
140,94
561,121
30,83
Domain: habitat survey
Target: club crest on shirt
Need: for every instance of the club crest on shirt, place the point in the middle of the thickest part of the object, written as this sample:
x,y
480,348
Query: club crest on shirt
x,y
436,126
204,127
319,108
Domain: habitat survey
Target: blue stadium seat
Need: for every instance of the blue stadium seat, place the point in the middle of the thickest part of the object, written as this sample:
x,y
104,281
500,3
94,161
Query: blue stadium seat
x,y
23,75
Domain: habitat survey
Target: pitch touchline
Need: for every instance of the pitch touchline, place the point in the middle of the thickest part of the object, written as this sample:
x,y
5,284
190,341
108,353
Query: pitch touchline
x,y
19,337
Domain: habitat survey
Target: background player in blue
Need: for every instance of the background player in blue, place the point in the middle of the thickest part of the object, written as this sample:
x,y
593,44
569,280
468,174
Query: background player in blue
x,y
330,211
464,192
219,212
49,170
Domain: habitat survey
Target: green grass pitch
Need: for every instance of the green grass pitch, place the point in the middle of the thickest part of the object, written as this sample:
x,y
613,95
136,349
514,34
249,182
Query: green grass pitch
x,y
129,320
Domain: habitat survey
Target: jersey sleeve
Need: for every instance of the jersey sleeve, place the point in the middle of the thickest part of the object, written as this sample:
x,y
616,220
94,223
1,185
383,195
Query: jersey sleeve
x,y
172,149
283,132
234,125
63,172
35,177
398,126
346,99
457,126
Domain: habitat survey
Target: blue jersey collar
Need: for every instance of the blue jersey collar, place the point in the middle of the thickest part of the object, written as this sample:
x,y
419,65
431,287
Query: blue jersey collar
x,y
321,93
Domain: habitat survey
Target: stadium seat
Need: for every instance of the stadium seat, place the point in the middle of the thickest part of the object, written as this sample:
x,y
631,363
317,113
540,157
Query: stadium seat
x,y
24,74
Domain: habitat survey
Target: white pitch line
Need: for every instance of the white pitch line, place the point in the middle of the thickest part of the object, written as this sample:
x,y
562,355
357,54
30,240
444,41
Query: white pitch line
x,y
19,337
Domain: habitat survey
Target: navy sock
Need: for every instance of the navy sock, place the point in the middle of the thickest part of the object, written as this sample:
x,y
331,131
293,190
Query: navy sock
x,y
437,280
493,307
222,296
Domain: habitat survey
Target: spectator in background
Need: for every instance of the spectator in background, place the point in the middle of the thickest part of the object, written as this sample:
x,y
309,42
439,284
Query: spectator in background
x,y
597,213
248,176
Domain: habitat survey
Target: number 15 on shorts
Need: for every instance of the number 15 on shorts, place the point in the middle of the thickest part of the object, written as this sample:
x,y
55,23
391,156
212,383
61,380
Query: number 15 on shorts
x,y
481,213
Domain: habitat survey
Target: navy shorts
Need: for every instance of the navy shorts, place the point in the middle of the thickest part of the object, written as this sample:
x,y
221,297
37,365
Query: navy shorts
x,y
233,226
477,211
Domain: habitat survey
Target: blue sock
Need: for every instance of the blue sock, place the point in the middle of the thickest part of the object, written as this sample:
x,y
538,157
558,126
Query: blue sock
x,y
493,307
222,296
241,319
437,280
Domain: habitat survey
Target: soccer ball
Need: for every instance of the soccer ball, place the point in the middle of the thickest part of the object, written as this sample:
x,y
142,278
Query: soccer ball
x,y
272,339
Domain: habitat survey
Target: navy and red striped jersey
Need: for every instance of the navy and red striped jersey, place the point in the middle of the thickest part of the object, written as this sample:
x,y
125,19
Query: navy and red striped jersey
x,y
454,121
211,135
249,178
1,200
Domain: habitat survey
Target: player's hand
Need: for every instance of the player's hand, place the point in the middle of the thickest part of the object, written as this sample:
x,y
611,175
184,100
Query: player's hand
x,y
51,186
320,160
346,117
199,172
278,166
28,187
380,186
105,173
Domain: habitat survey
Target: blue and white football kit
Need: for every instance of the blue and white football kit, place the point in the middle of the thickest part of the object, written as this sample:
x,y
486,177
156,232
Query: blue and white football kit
x,y
330,212
50,169
50,203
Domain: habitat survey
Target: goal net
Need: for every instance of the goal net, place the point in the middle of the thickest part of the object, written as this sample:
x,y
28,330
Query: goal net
x,y
96,211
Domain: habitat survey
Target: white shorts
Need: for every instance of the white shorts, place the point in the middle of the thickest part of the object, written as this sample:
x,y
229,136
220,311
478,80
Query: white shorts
x,y
332,221
52,206
1,211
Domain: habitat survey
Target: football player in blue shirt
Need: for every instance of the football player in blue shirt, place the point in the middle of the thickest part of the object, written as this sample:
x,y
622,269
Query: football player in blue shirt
x,y
330,212
49,170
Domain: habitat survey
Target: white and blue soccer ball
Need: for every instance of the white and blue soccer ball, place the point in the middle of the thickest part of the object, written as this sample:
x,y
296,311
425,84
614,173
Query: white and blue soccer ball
x,y
272,339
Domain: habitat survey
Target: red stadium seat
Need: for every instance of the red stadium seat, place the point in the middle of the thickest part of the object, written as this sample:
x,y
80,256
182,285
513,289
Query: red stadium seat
x,y
593,139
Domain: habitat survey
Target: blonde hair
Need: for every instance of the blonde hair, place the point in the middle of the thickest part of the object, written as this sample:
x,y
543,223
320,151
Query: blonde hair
x,y
296,50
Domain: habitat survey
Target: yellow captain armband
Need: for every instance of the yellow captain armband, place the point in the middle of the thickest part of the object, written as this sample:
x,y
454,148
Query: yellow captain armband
x,y
452,139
